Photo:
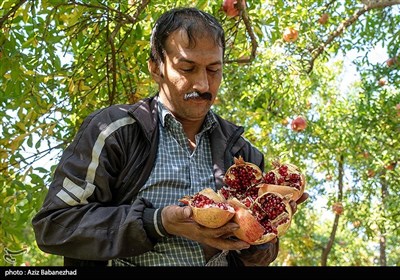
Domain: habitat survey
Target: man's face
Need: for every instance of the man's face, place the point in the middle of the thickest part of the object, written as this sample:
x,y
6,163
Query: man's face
x,y
187,70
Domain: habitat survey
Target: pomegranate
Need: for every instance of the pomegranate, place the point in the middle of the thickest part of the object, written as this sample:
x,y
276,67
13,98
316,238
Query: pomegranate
x,y
357,223
257,202
262,204
239,178
230,7
370,173
338,208
391,61
390,166
323,19
290,34
284,178
381,82
209,208
269,216
299,124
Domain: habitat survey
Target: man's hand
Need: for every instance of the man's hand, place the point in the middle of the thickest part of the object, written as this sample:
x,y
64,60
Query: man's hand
x,y
301,199
177,221
260,255
264,254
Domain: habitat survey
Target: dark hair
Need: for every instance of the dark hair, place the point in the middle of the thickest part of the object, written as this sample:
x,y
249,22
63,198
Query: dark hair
x,y
197,23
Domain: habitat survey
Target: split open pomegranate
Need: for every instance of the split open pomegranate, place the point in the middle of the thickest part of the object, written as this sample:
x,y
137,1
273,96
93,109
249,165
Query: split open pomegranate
x,y
284,178
240,177
209,208
257,202
261,203
269,216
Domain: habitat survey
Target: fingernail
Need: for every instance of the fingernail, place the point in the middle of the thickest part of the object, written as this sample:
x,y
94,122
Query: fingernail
x,y
186,212
234,227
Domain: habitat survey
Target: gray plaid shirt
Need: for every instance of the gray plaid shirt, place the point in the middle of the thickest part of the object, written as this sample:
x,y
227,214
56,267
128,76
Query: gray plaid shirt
x,y
178,171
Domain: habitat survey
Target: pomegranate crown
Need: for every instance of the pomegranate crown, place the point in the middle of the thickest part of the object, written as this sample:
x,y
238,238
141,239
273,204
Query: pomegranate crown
x,y
239,160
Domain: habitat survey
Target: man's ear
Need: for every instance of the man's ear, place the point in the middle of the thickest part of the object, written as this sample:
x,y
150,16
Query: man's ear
x,y
154,70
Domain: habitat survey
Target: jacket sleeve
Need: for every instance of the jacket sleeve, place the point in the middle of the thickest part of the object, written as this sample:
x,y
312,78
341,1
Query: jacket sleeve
x,y
79,218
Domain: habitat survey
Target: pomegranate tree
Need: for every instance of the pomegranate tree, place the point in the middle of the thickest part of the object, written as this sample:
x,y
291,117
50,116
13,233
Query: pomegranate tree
x,y
209,208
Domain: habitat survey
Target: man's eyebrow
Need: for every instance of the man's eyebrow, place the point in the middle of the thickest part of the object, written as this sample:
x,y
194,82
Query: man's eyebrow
x,y
182,59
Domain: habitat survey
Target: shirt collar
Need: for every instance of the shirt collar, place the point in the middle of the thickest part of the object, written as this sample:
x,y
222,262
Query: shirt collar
x,y
209,123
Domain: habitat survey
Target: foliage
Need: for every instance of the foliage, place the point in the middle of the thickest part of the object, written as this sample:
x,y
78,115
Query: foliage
x,y
60,60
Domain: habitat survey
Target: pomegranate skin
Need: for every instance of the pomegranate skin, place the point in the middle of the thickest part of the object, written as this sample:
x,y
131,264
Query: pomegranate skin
x,y
212,217
250,229
288,191
284,184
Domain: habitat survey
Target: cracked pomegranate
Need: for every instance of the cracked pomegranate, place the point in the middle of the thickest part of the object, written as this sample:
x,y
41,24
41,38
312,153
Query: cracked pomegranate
x,y
209,208
269,216
259,202
284,178
262,214
239,178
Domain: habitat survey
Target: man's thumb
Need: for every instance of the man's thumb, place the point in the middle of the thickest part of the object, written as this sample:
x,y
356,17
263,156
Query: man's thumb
x,y
187,212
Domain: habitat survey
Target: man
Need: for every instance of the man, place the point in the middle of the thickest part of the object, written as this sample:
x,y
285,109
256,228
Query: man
x,y
115,192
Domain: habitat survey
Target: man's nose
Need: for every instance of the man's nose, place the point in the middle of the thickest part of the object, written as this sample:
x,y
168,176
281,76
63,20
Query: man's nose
x,y
200,83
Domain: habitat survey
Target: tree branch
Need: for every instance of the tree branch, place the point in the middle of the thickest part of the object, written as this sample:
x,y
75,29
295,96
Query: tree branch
x,y
249,29
10,12
346,23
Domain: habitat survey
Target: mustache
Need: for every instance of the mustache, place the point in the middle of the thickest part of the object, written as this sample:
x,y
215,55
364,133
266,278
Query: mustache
x,y
194,94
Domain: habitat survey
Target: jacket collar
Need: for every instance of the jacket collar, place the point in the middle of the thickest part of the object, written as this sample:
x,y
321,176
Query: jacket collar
x,y
141,112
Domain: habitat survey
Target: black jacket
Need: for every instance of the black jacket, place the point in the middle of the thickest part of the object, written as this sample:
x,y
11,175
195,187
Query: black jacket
x,y
91,211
